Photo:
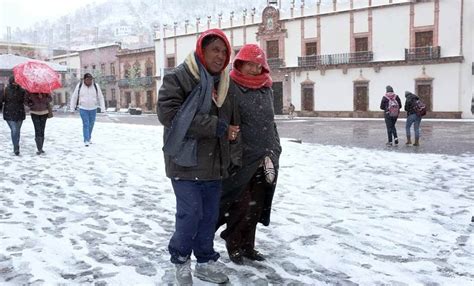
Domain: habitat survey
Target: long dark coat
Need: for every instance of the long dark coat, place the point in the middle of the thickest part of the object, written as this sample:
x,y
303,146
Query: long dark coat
x,y
11,103
259,138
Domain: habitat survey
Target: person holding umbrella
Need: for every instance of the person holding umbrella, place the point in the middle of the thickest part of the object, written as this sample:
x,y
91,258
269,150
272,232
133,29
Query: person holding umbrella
x,y
11,104
39,80
87,96
39,111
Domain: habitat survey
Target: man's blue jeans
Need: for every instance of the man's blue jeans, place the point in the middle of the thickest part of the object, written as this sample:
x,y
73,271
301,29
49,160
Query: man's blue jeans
x,y
413,118
197,210
88,120
15,127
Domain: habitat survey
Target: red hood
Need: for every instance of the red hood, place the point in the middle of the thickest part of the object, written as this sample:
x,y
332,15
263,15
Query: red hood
x,y
210,32
252,53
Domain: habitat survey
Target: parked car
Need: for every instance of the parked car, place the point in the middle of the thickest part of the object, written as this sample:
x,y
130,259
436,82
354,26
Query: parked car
x,y
135,111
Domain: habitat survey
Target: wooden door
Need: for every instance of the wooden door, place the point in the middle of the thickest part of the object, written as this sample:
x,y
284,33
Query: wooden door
x,y
128,98
138,99
361,44
308,99
149,100
424,39
273,50
278,97
361,99
424,92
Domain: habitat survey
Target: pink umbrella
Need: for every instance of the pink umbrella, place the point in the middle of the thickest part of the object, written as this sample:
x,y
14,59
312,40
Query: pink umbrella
x,y
36,77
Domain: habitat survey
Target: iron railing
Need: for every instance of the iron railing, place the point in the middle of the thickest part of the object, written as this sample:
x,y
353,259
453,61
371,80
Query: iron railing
x,y
335,59
108,78
146,81
275,63
423,53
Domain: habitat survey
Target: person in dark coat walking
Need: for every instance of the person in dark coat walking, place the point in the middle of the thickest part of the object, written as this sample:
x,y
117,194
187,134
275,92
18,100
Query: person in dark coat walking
x,y
248,193
38,104
11,104
198,86
391,112
412,118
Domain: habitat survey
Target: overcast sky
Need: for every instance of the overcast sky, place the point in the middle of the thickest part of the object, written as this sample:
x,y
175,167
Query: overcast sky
x,y
24,13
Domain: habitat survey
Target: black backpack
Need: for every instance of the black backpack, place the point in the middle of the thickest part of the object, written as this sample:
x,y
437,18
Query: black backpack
x,y
419,108
79,93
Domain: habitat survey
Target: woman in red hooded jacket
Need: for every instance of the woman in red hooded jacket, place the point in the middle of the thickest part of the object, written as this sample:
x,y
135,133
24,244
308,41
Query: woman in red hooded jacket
x,y
248,192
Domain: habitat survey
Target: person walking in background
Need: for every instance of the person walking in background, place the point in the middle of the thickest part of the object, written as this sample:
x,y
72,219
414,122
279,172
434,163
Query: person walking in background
x,y
291,111
39,110
391,105
412,117
248,193
12,105
88,97
196,110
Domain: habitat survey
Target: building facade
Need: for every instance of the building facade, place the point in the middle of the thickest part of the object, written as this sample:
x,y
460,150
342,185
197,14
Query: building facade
x,y
39,52
335,60
102,63
69,79
137,84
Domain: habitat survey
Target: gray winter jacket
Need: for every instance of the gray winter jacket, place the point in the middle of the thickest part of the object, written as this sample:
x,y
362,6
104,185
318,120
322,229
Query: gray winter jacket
x,y
213,153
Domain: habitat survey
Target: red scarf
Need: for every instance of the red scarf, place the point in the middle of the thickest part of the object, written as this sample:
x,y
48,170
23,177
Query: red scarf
x,y
254,82
252,53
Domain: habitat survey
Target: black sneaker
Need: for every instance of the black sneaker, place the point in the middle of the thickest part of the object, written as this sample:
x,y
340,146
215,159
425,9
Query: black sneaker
x,y
236,257
396,141
254,255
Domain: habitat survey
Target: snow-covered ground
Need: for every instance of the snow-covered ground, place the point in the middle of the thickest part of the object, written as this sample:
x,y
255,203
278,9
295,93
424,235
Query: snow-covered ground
x,y
342,216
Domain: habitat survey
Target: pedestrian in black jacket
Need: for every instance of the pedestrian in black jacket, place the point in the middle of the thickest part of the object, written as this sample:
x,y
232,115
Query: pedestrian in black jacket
x,y
412,118
391,105
196,111
39,110
11,104
248,193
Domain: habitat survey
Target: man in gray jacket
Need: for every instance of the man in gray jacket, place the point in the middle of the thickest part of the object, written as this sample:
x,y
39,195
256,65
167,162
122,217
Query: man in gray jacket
x,y
196,110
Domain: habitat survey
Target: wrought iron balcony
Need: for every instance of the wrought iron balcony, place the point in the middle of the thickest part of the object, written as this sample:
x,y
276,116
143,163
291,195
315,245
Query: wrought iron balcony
x,y
335,59
275,63
146,81
108,78
423,53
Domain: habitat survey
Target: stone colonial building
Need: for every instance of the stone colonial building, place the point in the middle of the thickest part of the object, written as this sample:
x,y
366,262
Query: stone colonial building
x,y
335,60
102,63
69,79
137,84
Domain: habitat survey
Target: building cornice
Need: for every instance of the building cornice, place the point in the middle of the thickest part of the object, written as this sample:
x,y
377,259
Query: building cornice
x,y
305,17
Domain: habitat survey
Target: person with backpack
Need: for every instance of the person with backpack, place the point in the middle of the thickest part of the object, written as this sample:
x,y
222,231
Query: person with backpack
x,y
87,96
391,105
415,110
291,111
11,104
